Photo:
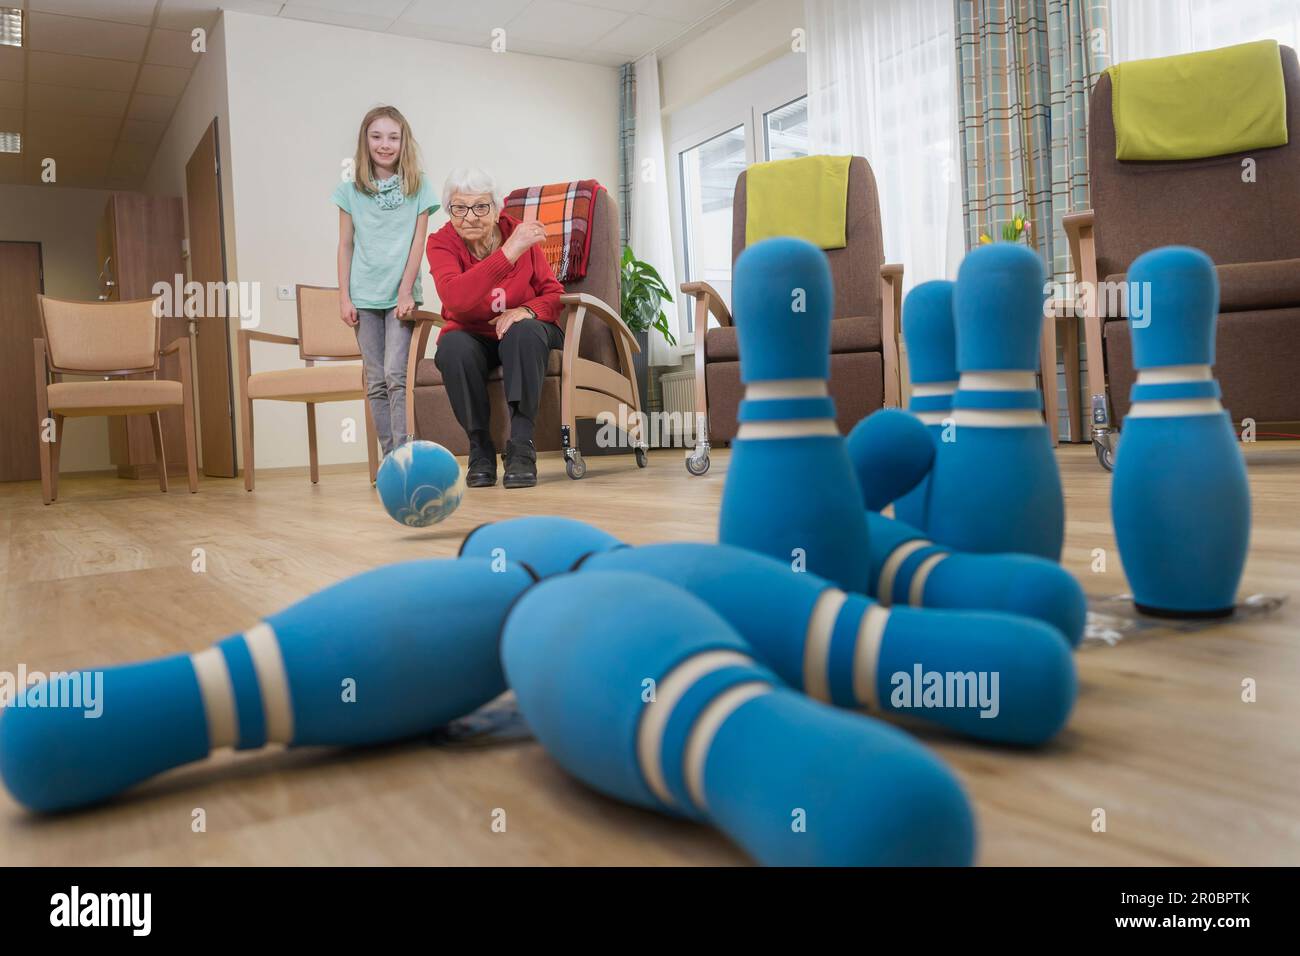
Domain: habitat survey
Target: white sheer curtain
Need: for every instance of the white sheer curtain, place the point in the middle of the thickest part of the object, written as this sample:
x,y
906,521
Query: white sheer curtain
x,y
882,84
1147,28
651,237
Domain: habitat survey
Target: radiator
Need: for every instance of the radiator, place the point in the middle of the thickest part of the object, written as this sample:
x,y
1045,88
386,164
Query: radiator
x,y
678,390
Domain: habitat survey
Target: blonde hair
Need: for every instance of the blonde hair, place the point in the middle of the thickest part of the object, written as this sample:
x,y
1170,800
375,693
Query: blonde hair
x,y
408,158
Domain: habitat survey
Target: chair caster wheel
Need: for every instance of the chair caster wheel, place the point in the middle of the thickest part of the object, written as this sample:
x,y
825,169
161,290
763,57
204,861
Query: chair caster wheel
x,y
575,467
1104,446
642,459
698,464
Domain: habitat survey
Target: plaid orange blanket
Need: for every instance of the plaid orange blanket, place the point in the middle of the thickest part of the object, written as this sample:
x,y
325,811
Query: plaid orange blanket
x,y
565,210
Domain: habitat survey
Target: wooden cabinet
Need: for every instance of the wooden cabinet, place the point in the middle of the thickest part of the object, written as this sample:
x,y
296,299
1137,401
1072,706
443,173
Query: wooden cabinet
x,y
139,244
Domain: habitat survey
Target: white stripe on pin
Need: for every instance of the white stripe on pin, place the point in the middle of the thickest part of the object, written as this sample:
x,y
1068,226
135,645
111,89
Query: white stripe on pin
x,y
889,570
218,695
1017,381
933,418
655,716
786,388
794,428
264,649
1174,374
916,588
817,643
706,727
866,656
997,417
1175,408
932,389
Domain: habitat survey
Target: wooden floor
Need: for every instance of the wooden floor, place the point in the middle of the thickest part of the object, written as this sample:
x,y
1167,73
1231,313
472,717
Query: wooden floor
x,y
1160,740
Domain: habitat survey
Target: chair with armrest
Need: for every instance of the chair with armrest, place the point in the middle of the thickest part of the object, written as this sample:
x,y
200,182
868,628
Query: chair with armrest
x,y
114,340
1245,223
864,333
591,377
322,338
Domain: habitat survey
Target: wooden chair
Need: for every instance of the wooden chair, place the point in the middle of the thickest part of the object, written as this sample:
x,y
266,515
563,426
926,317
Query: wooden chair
x,y
113,339
593,376
864,333
323,338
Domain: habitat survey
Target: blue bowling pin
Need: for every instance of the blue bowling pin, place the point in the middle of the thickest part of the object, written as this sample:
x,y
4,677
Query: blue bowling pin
x,y
995,487
892,452
993,676
670,711
931,340
387,654
907,568
790,490
1179,497
547,544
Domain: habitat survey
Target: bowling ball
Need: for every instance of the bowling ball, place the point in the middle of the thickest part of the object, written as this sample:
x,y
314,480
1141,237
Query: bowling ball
x,y
420,483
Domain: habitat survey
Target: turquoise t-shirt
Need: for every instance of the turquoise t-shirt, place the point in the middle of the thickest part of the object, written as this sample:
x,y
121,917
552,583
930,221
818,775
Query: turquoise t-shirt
x,y
381,243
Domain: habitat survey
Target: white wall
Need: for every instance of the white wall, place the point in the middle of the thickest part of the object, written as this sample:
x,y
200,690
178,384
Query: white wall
x,y
758,32
63,220
297,92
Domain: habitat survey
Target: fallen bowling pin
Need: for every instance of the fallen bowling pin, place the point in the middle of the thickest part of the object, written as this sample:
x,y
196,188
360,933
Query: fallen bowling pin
x,y
668,710
387,654
908,568
1179,498
995,488
989,675
931,339
892,452
790,489
548,544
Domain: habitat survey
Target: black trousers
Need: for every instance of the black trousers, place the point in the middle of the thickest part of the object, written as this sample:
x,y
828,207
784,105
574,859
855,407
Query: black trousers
x,y
466,360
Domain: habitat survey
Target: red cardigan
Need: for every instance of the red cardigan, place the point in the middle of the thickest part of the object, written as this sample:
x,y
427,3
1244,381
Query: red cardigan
x,y
467,286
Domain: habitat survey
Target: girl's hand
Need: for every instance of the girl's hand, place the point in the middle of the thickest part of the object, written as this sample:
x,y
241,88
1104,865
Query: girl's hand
x,y
347,311
525,236
405,304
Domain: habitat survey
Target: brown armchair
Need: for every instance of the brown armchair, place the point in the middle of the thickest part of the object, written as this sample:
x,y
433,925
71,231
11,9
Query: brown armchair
x,y
591,377
112,339
1247,225
864,334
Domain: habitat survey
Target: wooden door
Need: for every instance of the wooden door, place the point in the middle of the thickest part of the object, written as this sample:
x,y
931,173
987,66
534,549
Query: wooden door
x,y
21,280
208,264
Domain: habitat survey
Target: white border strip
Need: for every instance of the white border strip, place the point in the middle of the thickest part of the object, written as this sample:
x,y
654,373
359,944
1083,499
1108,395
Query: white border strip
x,y
264,648
655,716
998,417
791,428
866,656
787,388
1174,374
1014,381
218,693
705,730
1175,408
932,389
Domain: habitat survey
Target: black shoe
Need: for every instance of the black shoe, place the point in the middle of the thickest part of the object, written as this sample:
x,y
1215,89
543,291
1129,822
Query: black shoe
x,y
521,464
482,467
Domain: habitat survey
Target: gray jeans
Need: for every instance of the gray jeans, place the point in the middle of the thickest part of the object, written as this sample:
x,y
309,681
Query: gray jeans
x,y
385,344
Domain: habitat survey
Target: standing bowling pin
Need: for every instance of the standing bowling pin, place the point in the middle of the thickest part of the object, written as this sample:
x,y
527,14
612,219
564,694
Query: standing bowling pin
x,y
995,487
1003,677
790,491
546,544
1179,497
931,340
387,654
668,710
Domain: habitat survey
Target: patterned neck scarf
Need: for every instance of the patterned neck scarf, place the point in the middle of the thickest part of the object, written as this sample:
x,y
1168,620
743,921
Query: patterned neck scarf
x,y
390,194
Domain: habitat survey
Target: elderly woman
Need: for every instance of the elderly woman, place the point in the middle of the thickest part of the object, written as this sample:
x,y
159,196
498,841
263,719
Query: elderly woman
x,y
500,301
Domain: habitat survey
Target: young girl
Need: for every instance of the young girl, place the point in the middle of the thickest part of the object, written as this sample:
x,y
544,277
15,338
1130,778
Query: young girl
x,y
383,221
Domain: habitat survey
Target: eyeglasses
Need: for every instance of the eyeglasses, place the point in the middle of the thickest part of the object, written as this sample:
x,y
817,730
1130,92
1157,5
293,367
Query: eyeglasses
x,y
480,209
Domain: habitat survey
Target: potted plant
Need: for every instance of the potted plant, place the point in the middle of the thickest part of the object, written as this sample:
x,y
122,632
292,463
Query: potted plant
x,y
1013,231
642,294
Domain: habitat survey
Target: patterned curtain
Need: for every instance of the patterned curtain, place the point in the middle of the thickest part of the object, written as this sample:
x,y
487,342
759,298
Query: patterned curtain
x,y
1025,71
626,147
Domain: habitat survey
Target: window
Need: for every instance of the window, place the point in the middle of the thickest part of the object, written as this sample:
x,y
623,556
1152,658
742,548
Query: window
x,y
762,116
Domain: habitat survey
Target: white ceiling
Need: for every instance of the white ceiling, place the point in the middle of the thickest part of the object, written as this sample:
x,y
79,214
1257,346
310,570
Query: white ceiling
x,y
96,81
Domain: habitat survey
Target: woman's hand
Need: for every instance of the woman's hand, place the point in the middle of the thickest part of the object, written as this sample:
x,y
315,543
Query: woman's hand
x,y
508,318
347,311
525,236
405,303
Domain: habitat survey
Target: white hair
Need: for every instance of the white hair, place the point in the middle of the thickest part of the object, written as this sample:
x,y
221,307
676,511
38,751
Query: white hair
x,y
470,180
